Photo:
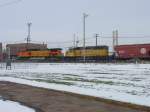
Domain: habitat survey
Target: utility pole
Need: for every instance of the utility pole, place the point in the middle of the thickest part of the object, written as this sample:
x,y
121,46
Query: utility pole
x,y
77,42
96,37
8,53
8,62
84,18
29,34
115,39
74,40
113,34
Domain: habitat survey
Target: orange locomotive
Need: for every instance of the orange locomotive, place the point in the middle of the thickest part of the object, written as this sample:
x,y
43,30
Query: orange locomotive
x,y
46,54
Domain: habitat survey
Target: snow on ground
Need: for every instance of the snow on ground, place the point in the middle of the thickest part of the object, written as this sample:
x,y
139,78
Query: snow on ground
x,y
121,82
9,106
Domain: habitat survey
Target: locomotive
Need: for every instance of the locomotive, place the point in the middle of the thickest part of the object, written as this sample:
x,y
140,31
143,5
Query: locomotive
x,y
48,54
89,53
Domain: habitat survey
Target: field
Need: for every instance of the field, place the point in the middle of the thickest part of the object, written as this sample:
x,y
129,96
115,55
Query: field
x,y
120,82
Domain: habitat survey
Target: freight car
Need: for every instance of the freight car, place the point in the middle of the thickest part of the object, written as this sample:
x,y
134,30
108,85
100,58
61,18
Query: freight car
x,y
134,51
90,53
49,54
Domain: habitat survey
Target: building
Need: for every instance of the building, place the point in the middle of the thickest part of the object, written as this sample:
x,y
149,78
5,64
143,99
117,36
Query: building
x,y
1,52
15,48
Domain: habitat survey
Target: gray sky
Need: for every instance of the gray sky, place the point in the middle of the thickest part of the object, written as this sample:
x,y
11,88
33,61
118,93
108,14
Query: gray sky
x,y
57,20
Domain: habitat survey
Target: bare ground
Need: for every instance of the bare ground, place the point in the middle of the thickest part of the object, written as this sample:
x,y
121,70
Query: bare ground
x,y
44,100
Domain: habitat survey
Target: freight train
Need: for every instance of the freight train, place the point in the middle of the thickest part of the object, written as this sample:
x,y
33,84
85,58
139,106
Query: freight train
x,y
89,53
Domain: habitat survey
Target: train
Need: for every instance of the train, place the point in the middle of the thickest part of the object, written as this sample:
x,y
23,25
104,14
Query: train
x,y
89,53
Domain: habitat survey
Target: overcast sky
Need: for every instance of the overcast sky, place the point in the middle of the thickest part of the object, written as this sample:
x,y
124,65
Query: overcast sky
x,y
57,20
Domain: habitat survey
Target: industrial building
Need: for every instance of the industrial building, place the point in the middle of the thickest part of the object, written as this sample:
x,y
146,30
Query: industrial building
x,y
1,52
15,48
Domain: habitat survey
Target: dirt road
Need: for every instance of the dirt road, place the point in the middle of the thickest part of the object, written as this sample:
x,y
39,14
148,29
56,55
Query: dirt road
x,y
44,100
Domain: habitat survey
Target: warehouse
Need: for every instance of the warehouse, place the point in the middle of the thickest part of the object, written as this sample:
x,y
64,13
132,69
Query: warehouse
x,y
15,48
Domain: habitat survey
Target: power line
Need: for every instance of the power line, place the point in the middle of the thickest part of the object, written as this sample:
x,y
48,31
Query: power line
x,y
128,36
10,3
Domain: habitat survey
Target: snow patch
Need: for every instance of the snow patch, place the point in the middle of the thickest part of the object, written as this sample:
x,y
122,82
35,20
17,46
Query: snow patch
x,y
121,82
9,106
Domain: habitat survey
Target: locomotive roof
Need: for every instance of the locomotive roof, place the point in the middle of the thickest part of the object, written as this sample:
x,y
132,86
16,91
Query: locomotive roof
x,y
90,47
55,49
44,49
